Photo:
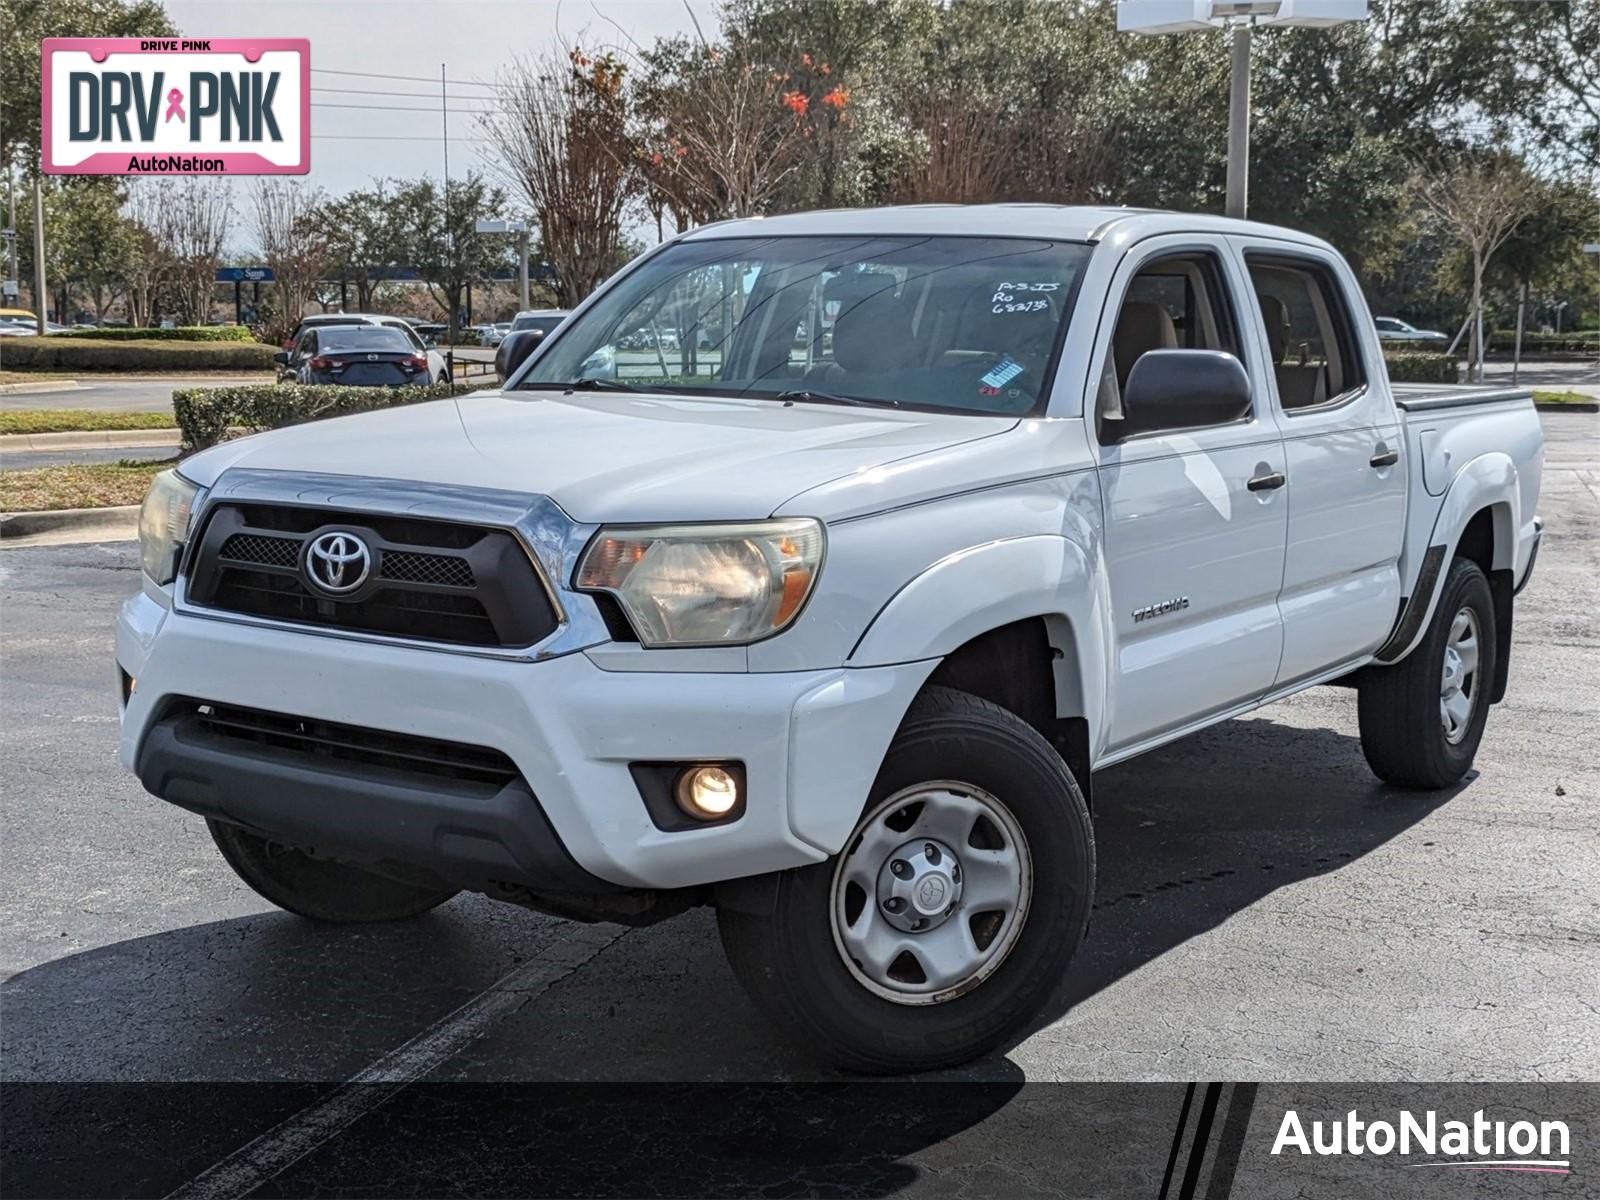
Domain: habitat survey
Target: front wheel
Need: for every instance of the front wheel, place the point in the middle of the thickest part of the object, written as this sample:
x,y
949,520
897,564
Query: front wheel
x,y
318,888
951,914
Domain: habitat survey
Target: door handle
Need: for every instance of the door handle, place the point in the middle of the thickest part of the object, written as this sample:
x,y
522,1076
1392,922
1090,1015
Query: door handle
x,y
1385,458
1267,483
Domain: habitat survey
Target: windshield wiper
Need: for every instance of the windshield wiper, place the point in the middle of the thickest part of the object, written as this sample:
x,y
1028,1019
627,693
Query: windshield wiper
x,y
600,385
808,395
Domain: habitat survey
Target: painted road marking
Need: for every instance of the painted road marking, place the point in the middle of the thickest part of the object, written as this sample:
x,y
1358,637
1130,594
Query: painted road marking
x,y
297,1136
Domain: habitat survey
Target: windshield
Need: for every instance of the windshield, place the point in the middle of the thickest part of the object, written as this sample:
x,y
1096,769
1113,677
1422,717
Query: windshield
x,y
361,337
963,323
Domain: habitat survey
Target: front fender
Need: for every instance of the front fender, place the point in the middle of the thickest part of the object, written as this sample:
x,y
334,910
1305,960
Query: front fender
x,y
976,590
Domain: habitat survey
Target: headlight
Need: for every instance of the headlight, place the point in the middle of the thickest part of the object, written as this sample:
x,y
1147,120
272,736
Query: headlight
x,y
703,585
164,524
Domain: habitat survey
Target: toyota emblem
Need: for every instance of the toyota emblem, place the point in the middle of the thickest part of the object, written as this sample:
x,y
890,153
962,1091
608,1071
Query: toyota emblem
x,y
338,562
372,358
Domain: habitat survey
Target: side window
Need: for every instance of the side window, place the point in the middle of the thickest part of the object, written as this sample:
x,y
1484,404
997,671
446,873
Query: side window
x,y
308,344
1175,303
1309,332
412,335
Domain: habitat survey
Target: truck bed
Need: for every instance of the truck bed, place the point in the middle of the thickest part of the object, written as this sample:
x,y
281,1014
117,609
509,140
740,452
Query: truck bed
x,y
1428,397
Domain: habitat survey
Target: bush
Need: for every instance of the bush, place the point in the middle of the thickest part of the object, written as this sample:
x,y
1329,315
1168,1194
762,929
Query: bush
x,y
207,415
182,333
1420,366
61,353
1545,343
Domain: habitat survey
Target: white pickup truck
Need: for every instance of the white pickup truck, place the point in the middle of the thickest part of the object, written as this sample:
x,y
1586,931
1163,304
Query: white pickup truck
x,y
825,611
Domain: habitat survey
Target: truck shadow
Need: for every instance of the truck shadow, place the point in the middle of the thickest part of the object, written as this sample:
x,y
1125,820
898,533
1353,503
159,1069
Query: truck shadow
x,y
1188,836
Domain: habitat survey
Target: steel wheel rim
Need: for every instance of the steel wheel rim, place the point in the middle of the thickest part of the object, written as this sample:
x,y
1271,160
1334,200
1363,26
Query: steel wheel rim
x,y
1458,681
980,859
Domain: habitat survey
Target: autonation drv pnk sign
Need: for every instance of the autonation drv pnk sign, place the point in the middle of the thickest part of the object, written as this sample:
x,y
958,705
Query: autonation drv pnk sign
x,y
177,106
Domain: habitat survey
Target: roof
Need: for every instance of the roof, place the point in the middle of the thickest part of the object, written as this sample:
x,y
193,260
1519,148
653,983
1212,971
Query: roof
x,y
1078,223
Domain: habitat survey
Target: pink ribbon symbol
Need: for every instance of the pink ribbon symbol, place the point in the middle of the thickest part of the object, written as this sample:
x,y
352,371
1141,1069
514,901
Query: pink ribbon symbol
x,y
175,105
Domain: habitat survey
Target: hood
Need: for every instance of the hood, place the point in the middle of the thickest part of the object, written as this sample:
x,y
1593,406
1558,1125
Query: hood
x,y
607,456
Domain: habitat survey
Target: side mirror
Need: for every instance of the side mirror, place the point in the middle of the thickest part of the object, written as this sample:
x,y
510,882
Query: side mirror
x,y
514,350
1184,389
281,358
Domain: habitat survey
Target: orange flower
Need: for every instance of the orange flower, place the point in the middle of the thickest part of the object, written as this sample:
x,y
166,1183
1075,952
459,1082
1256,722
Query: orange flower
x,y
838,98
797,102
655,159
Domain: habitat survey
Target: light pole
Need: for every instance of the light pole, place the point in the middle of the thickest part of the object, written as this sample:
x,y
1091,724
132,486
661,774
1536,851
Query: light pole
x,y
520,228
1241,16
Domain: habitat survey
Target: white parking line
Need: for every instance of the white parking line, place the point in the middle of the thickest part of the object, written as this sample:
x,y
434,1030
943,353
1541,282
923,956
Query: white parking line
x,y
297,1136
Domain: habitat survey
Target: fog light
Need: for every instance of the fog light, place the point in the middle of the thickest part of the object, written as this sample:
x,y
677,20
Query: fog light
x,y
707,793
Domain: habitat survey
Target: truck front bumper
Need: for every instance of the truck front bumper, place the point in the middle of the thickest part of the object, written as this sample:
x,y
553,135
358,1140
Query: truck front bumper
x,y
574,820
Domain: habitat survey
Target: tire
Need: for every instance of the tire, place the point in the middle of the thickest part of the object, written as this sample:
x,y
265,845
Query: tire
x,y
1403,726
792,958
317,888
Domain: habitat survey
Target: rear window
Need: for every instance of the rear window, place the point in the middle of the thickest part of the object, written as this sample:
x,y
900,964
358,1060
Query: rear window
x,y
542,324
361,337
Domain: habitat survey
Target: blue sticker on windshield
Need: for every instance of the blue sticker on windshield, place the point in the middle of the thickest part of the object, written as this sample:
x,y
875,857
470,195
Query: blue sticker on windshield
x,y
1002,373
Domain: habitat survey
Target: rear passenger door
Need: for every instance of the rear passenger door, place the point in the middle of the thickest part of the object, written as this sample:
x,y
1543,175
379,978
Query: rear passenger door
x,y
1344,450
1193,551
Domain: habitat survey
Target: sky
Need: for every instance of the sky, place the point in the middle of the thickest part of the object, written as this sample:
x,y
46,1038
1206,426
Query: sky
x,y
397,130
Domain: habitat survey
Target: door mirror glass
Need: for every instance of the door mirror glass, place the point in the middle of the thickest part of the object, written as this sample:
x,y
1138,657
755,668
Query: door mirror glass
x,y
281,358
1183,389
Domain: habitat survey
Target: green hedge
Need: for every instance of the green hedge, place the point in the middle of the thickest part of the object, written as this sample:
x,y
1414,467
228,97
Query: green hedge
x,y
181,333
207,415
1421,367
60,353
1546,343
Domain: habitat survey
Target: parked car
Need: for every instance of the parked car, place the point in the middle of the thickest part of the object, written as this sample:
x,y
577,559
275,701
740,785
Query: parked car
x,y
21,322
438,368
356,356
494,334
1393,329
833,638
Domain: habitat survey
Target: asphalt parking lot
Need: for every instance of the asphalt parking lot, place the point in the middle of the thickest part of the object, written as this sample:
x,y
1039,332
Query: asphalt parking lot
x,y
1267,910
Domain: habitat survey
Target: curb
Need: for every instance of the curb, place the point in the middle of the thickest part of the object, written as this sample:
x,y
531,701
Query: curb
x,y
22,524
99,439
44,385
1576,408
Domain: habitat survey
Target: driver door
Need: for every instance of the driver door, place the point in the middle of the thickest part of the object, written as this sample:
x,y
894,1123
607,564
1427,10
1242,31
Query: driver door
x,y
1196,516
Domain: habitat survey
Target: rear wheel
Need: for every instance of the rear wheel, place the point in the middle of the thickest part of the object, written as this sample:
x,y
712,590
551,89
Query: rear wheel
x,y
319,888
951,914
1422,719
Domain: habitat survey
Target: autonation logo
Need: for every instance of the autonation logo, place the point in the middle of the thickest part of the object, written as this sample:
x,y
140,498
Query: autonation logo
x,y
1480,1144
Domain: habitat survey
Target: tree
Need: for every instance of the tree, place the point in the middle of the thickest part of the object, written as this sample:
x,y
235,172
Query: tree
x,y
201,212
370,237
722,131
1556,90
450,253
28,22
1481,199
293,242
151,265
562,141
